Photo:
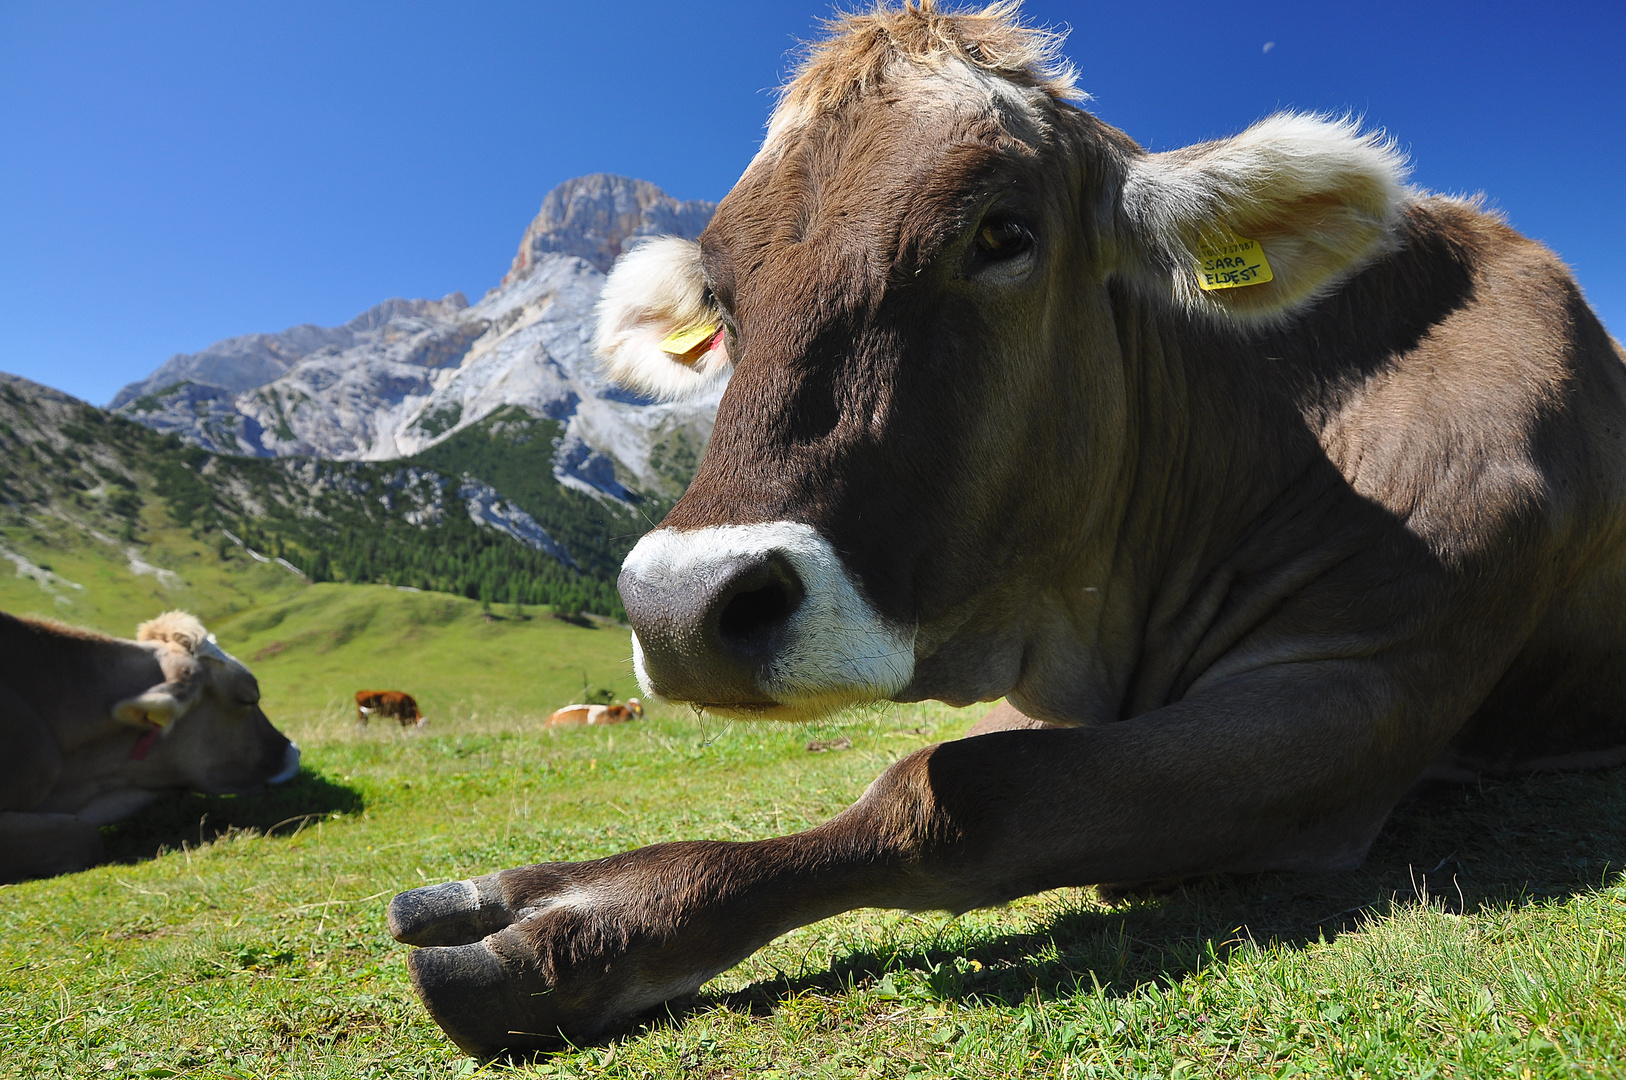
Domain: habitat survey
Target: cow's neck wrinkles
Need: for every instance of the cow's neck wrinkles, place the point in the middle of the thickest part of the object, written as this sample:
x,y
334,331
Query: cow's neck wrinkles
x,y
1193,484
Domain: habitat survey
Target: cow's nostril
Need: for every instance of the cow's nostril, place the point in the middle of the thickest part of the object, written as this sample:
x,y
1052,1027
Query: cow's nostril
x,y
761,600
750,613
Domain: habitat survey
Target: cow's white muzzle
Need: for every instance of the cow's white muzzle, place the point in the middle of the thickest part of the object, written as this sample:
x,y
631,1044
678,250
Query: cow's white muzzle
x,y
757,620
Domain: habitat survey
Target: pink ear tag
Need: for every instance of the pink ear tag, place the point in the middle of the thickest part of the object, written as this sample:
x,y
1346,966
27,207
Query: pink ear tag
x,y
143,745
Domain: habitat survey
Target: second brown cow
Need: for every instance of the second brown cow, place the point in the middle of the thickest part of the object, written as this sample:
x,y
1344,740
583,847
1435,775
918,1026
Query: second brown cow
x,y
389,704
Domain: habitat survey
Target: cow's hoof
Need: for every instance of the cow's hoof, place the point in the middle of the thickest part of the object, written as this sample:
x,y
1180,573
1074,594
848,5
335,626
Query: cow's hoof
x,y
521,960
485,1004
488,973
455,913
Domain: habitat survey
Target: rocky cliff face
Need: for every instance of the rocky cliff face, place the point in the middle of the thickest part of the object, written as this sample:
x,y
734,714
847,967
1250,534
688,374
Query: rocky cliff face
x,y
595,217
408,373
242,363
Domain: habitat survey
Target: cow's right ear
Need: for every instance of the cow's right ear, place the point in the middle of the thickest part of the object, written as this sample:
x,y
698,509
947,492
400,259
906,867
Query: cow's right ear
x,y
659,332
159,707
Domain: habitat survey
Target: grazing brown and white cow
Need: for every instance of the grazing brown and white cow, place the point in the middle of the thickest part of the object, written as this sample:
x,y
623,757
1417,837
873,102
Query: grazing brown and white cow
x,y
391,705
1259,484
96,727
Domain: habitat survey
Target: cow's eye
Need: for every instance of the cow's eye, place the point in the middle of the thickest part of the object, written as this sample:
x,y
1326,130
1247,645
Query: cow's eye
x,y
1001,238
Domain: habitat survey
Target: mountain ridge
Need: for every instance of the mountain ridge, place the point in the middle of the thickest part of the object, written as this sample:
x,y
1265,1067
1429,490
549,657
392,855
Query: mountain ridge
x,y
407,374
430,524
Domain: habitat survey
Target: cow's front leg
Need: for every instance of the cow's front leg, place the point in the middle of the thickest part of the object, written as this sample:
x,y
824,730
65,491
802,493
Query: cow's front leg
x,y
1278,771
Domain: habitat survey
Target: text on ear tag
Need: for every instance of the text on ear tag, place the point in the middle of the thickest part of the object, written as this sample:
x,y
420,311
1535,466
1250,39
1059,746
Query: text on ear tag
x,y
1231,263
682,341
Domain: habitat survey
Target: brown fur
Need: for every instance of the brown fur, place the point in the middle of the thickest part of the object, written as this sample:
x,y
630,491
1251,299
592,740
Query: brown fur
x,y
1243,580
595,714
391,705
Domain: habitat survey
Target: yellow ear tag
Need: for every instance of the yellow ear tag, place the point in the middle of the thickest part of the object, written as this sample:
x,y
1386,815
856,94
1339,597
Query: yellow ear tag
x,y
681,341
1231,264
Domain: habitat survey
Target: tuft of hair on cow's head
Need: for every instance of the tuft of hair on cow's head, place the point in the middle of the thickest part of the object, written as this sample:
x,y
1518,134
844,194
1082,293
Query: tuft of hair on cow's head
x,y
861,50
659,330
179,628
189,658
1308,200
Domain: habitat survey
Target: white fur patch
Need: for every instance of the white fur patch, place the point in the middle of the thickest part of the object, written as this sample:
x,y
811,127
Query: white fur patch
x,y
1321,197
177,628
654,289
573,898
840,650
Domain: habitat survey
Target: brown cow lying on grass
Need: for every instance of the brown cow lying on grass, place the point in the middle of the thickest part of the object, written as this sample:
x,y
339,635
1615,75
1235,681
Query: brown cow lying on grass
x,y
96,727
1261,485
595,714
389,704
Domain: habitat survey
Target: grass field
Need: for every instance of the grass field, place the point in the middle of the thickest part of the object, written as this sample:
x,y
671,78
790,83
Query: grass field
x,y
244,937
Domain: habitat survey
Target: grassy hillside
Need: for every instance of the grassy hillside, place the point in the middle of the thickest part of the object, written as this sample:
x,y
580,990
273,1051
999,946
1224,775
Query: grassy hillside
x,y
313,651
105,524
513,451
244,936
397,523
312,646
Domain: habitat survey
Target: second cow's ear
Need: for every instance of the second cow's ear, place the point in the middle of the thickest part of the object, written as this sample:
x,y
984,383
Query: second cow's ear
x,y
158,707
1253,229
658,331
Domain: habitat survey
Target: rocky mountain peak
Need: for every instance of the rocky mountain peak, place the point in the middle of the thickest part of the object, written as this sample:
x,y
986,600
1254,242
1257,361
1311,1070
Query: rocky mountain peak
x,y
406,375
250,360
594,217
395,307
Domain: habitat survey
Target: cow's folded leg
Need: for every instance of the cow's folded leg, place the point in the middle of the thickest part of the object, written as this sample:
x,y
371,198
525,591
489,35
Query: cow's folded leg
x,y
43,845
1007,717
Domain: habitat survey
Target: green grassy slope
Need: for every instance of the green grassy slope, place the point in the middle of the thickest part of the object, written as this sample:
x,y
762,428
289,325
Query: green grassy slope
x,y
93,582
313,651
397,523
313,646
244,937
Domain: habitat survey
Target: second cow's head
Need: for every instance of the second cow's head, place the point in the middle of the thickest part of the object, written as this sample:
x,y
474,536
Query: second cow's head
x,y
938,286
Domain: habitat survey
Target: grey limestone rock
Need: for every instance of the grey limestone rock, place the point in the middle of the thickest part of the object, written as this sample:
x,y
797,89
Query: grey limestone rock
x,y
406,374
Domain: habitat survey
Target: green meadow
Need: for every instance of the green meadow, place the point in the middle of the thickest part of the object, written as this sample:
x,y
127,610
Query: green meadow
x,y
244,937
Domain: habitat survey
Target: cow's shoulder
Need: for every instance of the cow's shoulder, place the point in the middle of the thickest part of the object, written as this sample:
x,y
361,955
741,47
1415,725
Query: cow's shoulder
x,y
1475,394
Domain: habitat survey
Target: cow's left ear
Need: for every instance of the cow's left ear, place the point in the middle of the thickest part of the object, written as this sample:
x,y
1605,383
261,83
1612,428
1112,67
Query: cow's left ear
x,y
1255,228
161,706
658,330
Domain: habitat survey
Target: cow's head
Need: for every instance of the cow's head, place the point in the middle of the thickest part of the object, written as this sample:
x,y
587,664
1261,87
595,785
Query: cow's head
x,y
201,727
939,288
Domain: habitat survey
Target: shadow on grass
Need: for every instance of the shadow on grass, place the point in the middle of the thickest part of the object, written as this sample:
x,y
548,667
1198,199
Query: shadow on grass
x,y
191,819
1467,848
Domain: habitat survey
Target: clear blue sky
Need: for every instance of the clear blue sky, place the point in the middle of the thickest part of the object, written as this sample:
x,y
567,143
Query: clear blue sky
x,y
171,174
